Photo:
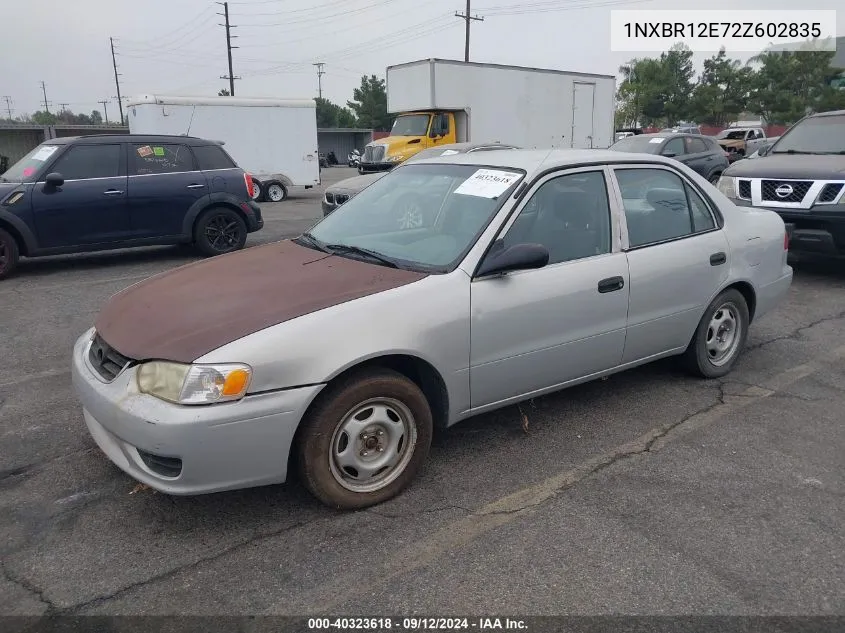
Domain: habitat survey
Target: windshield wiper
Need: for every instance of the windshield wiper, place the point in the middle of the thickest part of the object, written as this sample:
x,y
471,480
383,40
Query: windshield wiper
x,y
320,246
347,248
801,151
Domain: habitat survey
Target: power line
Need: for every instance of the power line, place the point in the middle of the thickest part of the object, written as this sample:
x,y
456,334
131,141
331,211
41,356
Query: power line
x,y
63,106
192,23
116,81
320,73
105,103
8,101
200,29
46,104
323,18
231,76
468,18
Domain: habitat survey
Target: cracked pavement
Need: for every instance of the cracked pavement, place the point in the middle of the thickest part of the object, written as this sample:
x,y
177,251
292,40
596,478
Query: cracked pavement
x,y
650,492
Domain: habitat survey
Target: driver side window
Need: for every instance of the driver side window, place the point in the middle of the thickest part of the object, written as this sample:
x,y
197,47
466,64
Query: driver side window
x,y
569,215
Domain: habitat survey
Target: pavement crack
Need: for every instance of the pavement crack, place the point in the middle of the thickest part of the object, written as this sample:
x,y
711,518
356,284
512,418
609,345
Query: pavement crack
x,y
11,476
76,608
405,515
797,333
28,587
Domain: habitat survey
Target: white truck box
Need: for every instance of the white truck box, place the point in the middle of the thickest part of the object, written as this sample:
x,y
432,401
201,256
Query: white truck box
x,y
529,107
272,139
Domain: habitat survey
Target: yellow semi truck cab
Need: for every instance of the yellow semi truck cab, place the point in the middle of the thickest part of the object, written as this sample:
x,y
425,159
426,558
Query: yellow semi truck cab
x,y
411,133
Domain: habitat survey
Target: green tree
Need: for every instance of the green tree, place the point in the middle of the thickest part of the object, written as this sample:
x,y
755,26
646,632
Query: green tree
x,y
332,115
224,92
643,92
676,73
44,118
369,103
721,93
97,118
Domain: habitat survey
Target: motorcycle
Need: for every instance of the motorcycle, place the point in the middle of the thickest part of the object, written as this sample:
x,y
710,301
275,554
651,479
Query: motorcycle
x,y
353,159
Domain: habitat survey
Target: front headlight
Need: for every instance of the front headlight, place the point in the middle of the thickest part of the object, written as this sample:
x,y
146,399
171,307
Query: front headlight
x,y
727,185
194,384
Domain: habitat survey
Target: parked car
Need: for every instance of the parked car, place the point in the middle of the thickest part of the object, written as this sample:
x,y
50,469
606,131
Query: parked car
x,y
742,141
101,192
763,149
701,153
340,192
529,278
802,178
682,129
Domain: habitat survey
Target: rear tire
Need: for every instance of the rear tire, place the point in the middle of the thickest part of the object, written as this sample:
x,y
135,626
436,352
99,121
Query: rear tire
x,y
275,192
365,439
9,254
719,337
219,230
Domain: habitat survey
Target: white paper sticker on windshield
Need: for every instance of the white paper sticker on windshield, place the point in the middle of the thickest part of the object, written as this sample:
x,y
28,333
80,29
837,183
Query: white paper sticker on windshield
x,y
449,152
44,153
487,183
659,139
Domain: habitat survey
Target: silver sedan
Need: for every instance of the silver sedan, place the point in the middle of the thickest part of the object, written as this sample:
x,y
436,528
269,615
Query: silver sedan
x,y
345,347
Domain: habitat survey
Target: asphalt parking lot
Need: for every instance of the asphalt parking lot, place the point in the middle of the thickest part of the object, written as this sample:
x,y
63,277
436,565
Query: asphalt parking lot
x,y
647,493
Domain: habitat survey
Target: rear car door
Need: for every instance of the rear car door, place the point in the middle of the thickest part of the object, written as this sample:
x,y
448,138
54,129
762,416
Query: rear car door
x,y
678,257
698,156
164,183
535,329
90,207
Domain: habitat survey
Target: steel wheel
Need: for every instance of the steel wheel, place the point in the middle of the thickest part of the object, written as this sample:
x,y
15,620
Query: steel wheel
x,y
372,445
275,192
722,334
256,190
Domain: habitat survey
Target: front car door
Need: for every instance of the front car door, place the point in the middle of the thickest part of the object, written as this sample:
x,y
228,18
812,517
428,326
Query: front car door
x,y
678,257
674,148
532,330
164,183
90,207
698,156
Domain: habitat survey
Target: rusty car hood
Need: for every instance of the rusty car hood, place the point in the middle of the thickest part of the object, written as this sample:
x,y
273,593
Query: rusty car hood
x,y
190,311
738,142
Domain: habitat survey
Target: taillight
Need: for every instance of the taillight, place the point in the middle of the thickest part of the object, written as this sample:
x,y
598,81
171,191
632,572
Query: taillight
x,y
249,184
785,241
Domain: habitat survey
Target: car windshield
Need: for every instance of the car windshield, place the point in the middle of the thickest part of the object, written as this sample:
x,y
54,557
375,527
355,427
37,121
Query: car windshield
x,y
817,135
433,152
27,168
421,217
410,125
639,144
732,135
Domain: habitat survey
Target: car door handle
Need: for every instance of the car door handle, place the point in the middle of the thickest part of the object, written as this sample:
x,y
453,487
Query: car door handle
x,y
611,284
709,158
195,186
717,259
112,192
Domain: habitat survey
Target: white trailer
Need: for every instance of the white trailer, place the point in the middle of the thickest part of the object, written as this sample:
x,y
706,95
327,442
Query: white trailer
x,y
529,107
275,140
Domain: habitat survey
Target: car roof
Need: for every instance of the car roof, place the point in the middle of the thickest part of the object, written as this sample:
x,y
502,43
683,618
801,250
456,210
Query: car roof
x,y
90,139
831,113
533,160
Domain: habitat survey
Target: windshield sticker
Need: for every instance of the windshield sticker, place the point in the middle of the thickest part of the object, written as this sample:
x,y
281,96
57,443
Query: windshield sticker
x,y
145,151
449,152
488,183
28,171
44,153
657,140
158,151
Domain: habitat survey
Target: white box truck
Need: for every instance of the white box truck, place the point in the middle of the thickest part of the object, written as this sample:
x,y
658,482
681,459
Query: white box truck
x,y
275,140
438,102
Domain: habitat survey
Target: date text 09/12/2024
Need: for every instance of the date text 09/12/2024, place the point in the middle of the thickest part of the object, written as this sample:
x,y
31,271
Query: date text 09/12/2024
x,y
415,624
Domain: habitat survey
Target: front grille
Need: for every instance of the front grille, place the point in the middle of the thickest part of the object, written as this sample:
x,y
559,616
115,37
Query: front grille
x,y
792,190
374,154
341,198
106,360
164,466
745,189
329,197
830,191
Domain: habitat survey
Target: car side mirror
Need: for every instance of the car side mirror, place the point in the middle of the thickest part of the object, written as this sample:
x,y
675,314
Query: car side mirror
x,y
54,179
669,154
517,257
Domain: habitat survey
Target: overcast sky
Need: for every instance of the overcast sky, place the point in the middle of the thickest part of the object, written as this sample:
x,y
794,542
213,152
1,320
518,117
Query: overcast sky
x,y
176,47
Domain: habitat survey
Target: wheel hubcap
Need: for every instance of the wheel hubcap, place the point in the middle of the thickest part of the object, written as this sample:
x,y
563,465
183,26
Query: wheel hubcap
x,y
256,191
372,445
723,334
222,233
275,193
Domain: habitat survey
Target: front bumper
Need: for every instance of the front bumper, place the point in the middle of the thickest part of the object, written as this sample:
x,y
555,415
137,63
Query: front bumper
x,y
370,168
221,446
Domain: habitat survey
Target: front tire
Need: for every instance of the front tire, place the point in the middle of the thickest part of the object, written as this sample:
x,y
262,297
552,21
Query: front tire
x,y
9,254
365,440
220,230
275,192
720,336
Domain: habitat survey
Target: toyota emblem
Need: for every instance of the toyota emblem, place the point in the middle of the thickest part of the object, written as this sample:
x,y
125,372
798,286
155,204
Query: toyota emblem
x,y
784,191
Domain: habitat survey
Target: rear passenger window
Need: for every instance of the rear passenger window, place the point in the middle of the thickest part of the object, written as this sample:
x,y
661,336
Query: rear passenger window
x,y
660,206
154,158
696,146
212,157
89,161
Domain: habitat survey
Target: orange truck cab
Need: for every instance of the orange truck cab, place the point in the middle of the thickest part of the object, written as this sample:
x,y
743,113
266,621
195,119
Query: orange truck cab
x,y
411,133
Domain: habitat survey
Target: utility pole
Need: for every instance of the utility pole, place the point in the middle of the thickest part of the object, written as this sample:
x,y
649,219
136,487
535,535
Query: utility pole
x,y
105,103
63,106
44,92
8,101
231,76
467,17
116,81
320,73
